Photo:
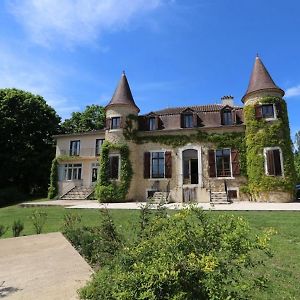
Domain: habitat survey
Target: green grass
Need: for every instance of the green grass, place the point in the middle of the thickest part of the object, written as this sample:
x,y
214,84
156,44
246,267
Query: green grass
x,y
283,269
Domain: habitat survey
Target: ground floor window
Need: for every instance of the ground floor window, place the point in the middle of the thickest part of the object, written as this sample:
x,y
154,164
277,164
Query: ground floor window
x,y
273,161
114,162
223,164
95,167
72,171
158,165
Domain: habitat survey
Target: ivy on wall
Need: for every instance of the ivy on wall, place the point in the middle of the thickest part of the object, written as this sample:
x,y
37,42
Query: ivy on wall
x,y
53,187
113,191
260,134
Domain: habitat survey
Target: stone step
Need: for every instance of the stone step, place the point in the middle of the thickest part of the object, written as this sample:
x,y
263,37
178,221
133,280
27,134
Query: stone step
x,y
159,197
78,193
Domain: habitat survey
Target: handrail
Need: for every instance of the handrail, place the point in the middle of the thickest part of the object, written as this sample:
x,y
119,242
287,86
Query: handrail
x,y
67,188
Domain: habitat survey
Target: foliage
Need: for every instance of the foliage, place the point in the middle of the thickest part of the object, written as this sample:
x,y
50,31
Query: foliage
x,y
98,244
11,194
297,166
188,255
53,187
261,133
17,228
92,118
3,229
27,125
113,191
297,142
38,219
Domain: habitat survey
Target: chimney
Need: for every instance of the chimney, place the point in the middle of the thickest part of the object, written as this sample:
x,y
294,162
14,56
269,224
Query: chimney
x,y
227,100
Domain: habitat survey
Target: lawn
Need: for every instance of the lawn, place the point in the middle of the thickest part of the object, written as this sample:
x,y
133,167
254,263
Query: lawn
x,y
283,268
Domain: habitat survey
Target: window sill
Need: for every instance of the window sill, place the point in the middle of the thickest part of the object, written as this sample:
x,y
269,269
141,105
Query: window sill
x,y
115,130
222,178
158,178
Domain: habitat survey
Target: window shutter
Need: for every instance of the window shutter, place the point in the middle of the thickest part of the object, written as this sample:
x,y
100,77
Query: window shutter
x,y
195,120
270,162
278,109
122,122
108,120
182,120
258,112
147,165
235,162
157,122
222,117
168,164
234,116
211,163
277,162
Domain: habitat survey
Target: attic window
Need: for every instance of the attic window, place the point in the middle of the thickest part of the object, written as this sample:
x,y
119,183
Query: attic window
x,y
151,123
188,121
227,117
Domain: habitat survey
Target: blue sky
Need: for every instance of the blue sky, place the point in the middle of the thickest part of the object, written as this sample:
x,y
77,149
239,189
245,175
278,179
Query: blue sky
x,y
175,53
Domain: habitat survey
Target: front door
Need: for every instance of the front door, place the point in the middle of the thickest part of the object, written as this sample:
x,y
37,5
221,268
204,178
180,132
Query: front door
x,y
94,174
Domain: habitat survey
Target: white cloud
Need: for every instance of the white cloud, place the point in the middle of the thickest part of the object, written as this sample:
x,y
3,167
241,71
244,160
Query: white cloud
x,y
293,91
71,22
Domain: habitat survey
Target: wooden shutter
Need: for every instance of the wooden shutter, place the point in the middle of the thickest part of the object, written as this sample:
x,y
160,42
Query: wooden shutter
x,y
122,122
147,165
168,164
211,163
277,162
278,109
258,111
195,120
107,123
234,116
270,162
182,120
157,123
235,162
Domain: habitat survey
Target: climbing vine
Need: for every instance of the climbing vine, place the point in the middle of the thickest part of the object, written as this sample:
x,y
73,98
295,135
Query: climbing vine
x,y
53,187
260,134
112,190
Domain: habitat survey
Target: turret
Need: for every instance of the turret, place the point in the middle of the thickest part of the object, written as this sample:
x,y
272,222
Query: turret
x,y
270,166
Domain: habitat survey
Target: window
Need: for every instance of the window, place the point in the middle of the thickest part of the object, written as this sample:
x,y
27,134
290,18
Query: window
x,y
74,148
99,143
273,161
227,117
151,123
188,121
223,164
72,171
158,165
115,122
267,111
95,167
114,167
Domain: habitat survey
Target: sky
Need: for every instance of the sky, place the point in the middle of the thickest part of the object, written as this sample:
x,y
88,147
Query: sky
x,y
174,52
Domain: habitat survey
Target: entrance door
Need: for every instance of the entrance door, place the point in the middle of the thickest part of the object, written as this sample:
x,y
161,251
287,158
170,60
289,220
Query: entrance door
x,y
94,174
194,171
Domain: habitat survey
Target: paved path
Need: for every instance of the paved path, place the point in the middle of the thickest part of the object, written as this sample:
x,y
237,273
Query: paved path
x,y
241,205
43,266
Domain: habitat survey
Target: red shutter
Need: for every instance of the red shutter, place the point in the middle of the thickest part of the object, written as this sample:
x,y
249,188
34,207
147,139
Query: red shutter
x,y
147,165
168,164
270,162
235,162
258,112
211,163
108,123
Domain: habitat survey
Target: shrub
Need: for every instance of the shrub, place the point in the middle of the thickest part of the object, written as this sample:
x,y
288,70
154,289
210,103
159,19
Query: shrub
x,y
3,230
38,219
189,255
10,195
17,228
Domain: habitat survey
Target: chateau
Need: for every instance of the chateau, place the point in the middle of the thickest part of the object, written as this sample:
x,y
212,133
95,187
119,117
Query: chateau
x,y
215,152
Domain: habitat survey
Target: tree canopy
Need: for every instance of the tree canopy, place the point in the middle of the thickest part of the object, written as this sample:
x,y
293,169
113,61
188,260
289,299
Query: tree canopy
x,y
92,118
27,125
297,155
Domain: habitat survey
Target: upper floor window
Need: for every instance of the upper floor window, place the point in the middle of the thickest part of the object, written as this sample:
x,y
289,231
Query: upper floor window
x,y
188,121
74,148
99,143
227,117
152,123
115,123
223,165
114,166
273,161
158,165
267,111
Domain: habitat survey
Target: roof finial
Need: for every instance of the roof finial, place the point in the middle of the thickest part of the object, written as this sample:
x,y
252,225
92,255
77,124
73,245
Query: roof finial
x,y
257,56
123,72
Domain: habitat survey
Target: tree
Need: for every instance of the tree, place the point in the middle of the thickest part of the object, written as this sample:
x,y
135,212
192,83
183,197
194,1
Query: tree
x,y
27,125
297,155
92,118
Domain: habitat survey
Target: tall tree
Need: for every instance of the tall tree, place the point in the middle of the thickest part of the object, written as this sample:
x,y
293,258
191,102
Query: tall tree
x,y
92,118
27,124
297,155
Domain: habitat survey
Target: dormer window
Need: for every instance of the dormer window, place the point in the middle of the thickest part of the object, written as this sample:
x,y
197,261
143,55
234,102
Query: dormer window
x,y
227,117
152,123
188,121
267,111
115,122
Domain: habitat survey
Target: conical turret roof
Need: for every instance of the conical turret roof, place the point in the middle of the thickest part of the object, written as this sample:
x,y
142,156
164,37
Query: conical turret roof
x,y
122,94
261,79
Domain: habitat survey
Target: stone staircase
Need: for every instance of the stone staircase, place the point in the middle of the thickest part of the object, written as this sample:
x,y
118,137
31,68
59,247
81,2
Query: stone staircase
x,y
218,198
78,193
160,197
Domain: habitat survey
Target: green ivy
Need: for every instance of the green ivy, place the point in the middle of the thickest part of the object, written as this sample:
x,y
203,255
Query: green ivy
x,y
260,134
53,187
112,191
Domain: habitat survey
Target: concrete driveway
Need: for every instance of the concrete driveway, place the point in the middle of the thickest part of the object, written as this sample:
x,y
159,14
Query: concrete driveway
x,y
44,266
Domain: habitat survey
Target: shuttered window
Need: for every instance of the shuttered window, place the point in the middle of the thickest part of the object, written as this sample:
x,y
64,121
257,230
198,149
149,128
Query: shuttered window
x,y
115,123
152,123
273,162
227,117
158,164
266,111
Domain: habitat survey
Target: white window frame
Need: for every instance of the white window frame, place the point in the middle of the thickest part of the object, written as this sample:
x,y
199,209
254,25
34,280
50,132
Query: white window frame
x,y
66,168
228,177
155,151
94,165
77,148
274,110
266,149
103,140
119,166
110,123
